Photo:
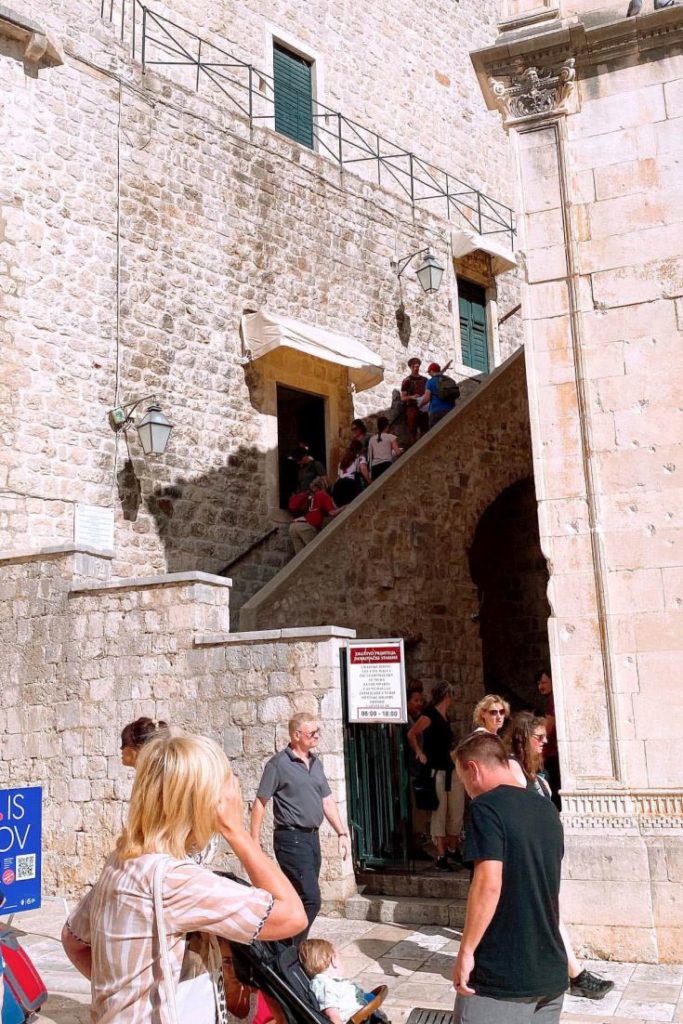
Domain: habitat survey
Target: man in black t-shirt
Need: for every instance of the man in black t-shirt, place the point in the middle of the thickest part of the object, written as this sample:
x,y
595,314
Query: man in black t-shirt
x,y
512,967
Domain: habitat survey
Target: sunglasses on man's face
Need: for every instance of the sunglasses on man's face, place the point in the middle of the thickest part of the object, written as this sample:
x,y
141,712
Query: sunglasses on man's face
x,y
311,734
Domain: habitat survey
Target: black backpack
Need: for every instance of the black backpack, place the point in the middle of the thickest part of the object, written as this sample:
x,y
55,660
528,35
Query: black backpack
x,y
447,390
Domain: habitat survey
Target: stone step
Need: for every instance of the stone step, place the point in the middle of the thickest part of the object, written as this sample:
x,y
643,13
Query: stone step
x,y
425,884
445,912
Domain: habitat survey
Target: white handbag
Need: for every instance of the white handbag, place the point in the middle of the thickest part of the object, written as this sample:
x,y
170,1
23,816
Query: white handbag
x,y
198,1000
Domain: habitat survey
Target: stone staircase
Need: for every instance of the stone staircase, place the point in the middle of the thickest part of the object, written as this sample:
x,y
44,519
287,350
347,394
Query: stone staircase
x,y
259,563
415,899
323,583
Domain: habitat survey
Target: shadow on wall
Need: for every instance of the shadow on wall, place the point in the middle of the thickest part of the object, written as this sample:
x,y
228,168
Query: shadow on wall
x,y
511,574
204,522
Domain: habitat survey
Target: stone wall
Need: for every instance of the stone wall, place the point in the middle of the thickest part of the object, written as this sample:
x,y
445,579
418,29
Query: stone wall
x,y
395,563
138,220
391,67
82,655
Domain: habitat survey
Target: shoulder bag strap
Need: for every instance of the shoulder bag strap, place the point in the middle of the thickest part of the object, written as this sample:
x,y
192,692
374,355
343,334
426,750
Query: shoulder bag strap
x,y
215,964
166,972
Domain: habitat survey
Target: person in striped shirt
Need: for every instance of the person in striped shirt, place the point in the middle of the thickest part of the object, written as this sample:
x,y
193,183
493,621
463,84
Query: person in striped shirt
x,y
184,791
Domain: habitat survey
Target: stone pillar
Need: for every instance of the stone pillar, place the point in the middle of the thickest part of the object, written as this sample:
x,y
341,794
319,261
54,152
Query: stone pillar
x,y
593,117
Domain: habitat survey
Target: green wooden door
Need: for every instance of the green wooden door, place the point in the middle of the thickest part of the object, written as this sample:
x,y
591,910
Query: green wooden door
x,y
475,346
293,96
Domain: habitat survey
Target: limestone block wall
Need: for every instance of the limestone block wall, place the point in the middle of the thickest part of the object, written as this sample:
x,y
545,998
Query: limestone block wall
x,y
83,654
388,66
138,220
395,562
603,203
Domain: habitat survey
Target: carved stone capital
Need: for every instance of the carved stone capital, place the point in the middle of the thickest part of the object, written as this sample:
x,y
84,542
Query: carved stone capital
x,y
533,92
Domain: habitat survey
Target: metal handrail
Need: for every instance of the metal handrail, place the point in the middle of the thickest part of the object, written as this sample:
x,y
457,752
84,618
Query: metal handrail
x,y
247,551
157,41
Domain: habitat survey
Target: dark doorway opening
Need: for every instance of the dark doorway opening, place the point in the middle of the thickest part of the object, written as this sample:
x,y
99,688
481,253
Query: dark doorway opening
x,y
300,418
508,567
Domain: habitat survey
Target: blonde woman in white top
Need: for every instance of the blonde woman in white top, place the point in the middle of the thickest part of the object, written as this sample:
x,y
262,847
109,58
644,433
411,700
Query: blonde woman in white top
x,y
382,449
184,791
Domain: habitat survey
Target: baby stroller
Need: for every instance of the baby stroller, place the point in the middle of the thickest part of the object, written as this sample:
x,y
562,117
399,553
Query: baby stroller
x,y
274,969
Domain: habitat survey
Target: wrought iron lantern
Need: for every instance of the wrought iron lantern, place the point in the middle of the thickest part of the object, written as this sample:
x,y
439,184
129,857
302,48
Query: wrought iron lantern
x,y
429,273
153,429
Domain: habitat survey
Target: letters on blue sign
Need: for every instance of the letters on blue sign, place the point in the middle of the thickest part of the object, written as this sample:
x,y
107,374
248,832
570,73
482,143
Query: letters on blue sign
x,y
20,848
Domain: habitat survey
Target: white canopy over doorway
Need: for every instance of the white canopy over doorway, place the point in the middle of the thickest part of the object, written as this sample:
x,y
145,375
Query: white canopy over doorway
x,y
466,240
264,332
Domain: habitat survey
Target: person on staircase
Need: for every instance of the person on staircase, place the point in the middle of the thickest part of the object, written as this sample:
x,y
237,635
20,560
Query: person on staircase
x,y
354,475
308,467
412,389
440,394
434,730
306,528
382,449
359,432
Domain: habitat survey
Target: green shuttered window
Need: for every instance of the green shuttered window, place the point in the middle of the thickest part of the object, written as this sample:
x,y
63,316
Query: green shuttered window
x,y
475,348
293,96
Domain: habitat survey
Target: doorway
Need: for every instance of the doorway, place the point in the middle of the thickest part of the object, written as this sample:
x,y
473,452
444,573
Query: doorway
x,y
300,419
511,575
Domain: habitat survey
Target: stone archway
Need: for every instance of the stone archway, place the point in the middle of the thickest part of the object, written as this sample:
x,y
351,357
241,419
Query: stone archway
x,y
510,572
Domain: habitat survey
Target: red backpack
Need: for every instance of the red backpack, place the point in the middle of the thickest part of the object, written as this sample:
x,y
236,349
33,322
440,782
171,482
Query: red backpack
x,y
25,990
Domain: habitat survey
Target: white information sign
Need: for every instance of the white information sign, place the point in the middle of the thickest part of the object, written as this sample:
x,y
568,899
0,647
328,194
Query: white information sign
x,y
94,527
375,680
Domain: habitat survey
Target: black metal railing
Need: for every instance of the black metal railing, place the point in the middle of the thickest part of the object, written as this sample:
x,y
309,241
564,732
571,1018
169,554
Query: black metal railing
x,y
157,41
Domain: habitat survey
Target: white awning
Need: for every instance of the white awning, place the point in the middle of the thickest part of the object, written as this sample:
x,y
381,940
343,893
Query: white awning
x,y
264,332
465,240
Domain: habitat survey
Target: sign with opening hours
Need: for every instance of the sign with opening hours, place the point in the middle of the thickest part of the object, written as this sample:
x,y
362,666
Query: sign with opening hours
x,y
21,813
375,681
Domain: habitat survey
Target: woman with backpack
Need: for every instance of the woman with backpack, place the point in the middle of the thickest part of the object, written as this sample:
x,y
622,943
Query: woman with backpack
x,y
382,449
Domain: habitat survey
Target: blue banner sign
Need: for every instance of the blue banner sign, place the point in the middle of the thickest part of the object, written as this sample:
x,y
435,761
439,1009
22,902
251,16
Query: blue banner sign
x,y
20,848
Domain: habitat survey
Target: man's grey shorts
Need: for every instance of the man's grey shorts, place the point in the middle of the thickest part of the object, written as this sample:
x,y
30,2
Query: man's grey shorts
x,y
485,1010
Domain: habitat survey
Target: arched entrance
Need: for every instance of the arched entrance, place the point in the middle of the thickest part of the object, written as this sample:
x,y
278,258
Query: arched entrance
x,y
510,572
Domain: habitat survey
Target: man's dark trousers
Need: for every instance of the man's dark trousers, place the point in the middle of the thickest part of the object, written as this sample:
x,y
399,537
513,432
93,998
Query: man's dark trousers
x,y
298,854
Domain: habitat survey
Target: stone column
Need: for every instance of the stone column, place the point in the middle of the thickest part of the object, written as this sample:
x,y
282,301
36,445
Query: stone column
x,y
600,236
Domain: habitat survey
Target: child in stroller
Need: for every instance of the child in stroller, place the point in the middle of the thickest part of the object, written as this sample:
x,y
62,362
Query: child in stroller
x,y
339,998
275,970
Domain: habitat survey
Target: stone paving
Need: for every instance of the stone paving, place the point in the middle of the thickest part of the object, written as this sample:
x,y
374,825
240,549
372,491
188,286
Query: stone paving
x,y
415,965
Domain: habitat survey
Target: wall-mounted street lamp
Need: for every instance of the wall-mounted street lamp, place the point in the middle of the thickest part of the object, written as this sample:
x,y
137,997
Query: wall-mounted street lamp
x,y
429,273
153,429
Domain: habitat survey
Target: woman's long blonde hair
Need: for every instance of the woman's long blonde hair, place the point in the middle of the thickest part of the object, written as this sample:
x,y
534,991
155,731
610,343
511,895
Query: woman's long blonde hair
x,y
178,783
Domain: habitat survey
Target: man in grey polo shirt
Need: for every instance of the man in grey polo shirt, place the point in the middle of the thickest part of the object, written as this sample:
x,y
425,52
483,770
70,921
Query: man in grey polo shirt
x,y
301,794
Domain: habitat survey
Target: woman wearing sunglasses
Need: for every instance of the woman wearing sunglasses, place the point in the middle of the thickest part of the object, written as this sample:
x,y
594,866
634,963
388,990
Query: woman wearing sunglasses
x,y
490,713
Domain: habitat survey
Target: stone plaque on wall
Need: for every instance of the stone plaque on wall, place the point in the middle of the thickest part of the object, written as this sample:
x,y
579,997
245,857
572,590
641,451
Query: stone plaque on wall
x,y
94,527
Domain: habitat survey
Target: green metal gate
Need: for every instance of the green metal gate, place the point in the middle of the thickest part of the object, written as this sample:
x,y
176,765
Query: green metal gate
x,y
378,791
